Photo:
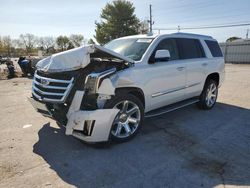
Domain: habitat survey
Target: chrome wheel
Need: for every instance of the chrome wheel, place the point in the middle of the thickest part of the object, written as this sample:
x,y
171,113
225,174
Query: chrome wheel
x,y
127,120
211,94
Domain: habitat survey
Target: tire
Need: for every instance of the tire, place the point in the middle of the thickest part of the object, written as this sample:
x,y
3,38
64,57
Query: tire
x,y
129,120
209,95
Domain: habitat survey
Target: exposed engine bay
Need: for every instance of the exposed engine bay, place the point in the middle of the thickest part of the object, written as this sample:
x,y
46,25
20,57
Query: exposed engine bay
x,y
73,97
86,79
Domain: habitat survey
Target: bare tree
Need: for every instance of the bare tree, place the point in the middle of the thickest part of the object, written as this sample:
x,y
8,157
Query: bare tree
x,y
1,44
29,41
76,39
46,43
6,43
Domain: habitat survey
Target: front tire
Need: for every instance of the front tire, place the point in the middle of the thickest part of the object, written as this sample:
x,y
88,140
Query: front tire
x,y
129,119
209,95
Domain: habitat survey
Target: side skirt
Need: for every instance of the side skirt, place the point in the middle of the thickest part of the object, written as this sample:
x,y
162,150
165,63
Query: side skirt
x,y
172,107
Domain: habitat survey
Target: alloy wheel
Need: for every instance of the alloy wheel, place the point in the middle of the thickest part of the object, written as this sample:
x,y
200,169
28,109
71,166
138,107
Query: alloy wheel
x,y
211,94
127,119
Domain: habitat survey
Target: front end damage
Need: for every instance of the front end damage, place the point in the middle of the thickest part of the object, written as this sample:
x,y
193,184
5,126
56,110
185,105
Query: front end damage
x,y
74,90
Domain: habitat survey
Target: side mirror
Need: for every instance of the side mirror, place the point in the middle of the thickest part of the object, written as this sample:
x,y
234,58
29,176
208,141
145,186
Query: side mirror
x,y
162,55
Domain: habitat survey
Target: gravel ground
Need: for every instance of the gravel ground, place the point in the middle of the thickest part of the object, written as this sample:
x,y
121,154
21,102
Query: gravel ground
x,y
185,148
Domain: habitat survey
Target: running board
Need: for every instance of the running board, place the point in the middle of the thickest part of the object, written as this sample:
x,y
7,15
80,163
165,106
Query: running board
x,y
171,107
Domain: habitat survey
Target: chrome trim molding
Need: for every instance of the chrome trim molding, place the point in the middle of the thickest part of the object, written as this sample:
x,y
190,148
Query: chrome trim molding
x,y
192,85
173,90
167,92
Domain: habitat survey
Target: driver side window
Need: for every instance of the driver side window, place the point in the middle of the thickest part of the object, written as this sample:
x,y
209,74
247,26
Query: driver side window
x,y
171,46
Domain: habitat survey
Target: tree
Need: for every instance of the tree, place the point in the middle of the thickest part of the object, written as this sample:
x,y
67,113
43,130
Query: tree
x,y
76,39
28,41
63,42
6,43
144,29
46,43
91,41
232,39
70,45
118,20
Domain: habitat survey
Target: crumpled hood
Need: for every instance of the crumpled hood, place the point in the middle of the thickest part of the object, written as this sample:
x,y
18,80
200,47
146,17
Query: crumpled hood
x,y
76,58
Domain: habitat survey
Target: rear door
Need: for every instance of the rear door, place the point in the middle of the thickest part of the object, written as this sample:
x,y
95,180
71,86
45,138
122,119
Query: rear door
x,y
191,51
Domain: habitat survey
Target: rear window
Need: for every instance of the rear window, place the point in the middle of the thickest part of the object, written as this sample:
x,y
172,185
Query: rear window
x,y
190,48
214,48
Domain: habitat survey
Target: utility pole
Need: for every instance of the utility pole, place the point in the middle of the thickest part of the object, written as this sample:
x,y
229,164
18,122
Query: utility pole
x,y
150,20
178,29
247,34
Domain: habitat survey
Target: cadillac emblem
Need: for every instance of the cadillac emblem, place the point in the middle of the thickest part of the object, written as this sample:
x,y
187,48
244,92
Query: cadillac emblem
x,y
44,82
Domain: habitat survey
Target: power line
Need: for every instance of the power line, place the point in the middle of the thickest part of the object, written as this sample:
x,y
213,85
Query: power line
x,y
205,27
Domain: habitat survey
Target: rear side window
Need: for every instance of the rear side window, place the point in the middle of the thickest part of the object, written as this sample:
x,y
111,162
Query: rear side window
x,y
190,48
214,48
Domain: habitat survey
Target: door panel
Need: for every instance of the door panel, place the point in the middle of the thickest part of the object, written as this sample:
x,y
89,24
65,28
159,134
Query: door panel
x,y
191,51
166,83
195,76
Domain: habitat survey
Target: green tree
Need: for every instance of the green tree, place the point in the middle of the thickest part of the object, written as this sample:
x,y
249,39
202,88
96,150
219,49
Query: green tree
x,y
118,19
232,39
63,42
91,41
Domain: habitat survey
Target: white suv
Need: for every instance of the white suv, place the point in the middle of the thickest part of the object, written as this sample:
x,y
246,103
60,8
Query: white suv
x,y
102,93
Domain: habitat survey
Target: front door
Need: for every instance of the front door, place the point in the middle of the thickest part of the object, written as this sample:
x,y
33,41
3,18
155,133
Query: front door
x,y
166,79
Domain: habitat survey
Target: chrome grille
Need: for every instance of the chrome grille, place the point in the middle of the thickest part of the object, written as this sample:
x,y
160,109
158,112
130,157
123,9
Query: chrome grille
x,y
51,90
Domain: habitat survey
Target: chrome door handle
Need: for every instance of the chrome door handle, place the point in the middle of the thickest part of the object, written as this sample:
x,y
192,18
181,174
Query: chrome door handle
x,y
204,64
180,68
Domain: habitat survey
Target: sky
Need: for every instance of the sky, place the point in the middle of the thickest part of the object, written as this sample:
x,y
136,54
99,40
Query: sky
x,y
65,17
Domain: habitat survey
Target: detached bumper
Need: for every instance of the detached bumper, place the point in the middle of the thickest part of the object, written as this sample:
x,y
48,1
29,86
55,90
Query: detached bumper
x,y
89,126
40,107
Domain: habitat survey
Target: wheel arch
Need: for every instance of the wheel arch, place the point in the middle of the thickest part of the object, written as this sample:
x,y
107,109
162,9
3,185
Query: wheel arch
x,y
137,92
214,76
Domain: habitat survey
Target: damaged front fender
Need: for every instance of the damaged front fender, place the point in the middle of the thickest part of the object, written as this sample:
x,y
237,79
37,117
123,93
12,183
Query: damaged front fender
x,y
89,125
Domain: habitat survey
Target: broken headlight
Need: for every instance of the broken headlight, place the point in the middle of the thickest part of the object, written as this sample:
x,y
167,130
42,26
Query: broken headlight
x,y
93,80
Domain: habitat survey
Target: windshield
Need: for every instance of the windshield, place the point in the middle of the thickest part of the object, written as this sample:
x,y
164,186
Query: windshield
x,y
133,48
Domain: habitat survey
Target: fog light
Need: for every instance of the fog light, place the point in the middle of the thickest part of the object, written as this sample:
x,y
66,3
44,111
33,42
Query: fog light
x,y
88,127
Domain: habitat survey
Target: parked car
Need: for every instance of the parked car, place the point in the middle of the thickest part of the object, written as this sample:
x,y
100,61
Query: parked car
x,y
28,65
102,93
4,60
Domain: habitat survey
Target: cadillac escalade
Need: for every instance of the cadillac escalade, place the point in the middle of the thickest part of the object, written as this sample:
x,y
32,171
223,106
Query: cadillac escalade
x,y
102,93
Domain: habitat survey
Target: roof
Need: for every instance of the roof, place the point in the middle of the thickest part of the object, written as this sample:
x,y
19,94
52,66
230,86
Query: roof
x,y
179,34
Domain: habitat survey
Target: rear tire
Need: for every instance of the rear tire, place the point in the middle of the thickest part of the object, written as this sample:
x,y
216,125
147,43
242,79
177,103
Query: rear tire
x,y
129,120
209,95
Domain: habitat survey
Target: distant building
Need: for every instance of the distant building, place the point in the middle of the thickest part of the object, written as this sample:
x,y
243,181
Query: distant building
x,y
237,51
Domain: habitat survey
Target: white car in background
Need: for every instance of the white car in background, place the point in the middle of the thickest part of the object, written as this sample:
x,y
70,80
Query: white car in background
x,y
102,93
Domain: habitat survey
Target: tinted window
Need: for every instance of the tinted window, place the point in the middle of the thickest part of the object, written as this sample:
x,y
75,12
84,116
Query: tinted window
x,y
190,48
214,48
171,46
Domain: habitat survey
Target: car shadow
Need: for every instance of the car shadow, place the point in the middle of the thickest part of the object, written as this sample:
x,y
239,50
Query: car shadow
x,y
185,148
